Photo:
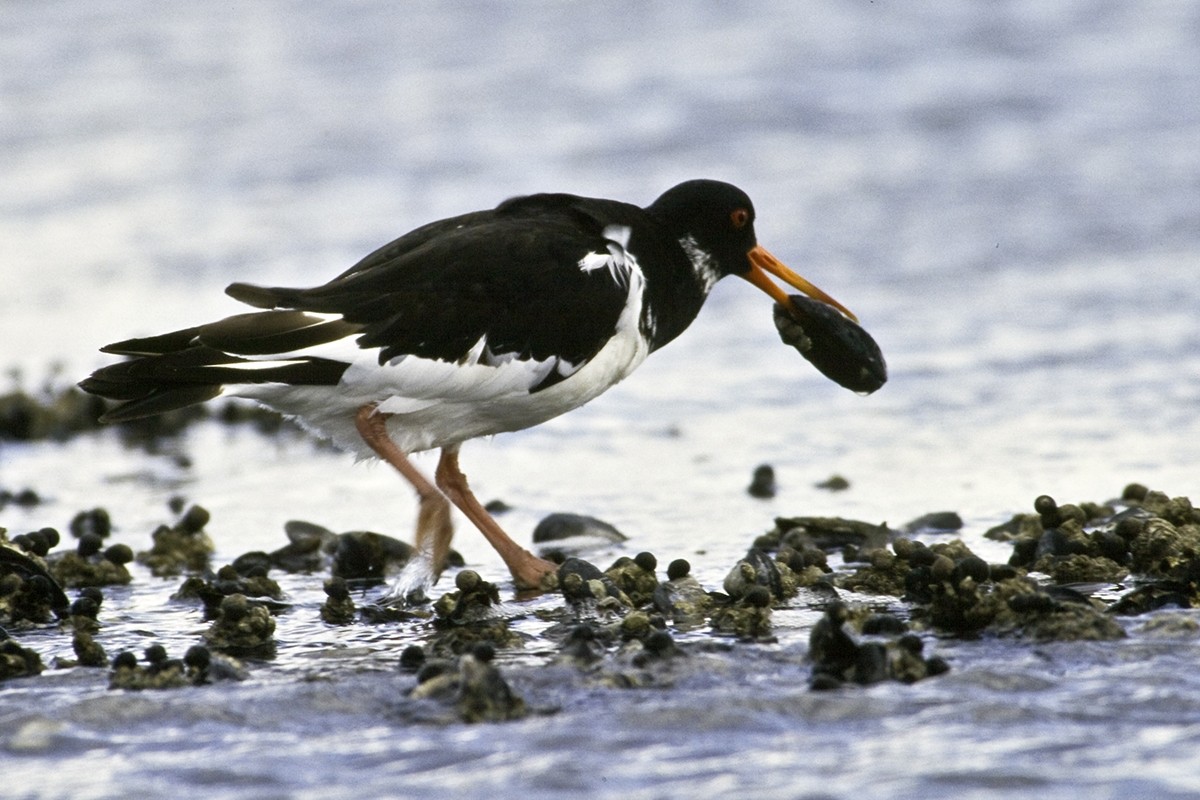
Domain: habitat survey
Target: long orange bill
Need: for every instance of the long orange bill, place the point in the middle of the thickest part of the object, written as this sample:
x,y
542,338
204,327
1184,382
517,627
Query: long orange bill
x,y
762,263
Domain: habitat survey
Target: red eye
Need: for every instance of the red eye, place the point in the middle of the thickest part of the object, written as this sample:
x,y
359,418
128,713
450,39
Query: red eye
x,y
739,218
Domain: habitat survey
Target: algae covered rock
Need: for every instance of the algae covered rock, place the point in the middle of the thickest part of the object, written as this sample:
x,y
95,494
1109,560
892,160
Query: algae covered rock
x,y
242,628
472,686
182,547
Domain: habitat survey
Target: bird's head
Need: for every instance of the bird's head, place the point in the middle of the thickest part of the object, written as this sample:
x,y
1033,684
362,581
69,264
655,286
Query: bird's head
x,y
714,222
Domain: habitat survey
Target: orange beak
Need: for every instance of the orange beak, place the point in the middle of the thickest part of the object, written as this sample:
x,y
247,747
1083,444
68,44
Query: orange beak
x,y
762,263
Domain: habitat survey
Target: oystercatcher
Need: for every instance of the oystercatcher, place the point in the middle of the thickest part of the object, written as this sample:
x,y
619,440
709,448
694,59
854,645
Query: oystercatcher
x,y
487,322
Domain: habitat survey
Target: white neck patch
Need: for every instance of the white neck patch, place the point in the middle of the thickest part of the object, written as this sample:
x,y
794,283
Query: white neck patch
x,y
702,262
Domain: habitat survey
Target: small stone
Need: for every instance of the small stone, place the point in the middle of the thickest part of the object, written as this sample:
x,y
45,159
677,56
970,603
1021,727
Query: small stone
x,y
834,483
1135,492
89,545
762,484
563,535
936,522
94,521
337,589
119,554
412,658
338,608
678,569
194,519
646,561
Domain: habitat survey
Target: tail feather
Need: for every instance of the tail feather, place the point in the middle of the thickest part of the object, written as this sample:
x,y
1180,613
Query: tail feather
x,y
160,401
263,296
271,332
153,345
192,365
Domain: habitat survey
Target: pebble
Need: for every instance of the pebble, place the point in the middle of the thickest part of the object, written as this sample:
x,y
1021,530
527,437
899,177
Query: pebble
x,y
762,483
562,535
367,556
338,608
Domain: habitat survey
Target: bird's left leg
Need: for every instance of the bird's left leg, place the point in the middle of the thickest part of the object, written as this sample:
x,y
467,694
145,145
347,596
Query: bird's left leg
x,y
434,528
527,569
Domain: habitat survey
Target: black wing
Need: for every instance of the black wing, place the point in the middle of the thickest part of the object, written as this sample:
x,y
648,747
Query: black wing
x,y
511,275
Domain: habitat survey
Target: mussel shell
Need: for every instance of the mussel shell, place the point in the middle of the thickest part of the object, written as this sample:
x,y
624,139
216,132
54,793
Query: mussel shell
x,y
838,347
12,560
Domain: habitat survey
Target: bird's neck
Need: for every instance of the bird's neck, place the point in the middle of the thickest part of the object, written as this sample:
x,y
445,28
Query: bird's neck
x,y
674,295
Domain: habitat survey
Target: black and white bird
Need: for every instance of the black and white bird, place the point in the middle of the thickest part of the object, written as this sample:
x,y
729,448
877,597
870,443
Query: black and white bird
x,y
483,323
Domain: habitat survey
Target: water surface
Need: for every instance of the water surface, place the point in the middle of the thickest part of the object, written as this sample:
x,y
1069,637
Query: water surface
x,y
1006,196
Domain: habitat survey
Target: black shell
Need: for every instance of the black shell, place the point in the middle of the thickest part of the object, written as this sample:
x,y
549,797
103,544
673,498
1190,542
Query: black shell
x,y
838,347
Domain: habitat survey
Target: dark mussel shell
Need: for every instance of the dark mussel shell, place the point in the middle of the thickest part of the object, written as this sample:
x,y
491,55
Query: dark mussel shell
x,y
12,560
838,347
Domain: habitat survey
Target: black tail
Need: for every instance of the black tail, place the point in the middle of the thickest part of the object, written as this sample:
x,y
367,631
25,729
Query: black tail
x,y
193,365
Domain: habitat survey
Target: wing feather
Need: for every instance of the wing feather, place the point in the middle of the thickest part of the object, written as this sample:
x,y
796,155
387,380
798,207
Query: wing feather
x,y
513,275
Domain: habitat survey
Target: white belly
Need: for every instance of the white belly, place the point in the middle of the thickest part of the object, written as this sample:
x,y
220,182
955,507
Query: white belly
x,y
435,403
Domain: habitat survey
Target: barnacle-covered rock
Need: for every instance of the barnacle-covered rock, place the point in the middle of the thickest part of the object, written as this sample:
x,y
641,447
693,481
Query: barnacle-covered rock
x,y
755,569
468,617
748,617
824,533
635,577
583,584
681,597
29,594
473,685
242,628
1017,606
182,547
88,652
17,661
213,589
88,565
159,671
839,656
338,608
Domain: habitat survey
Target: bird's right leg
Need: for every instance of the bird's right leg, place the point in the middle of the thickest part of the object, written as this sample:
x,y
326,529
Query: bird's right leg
x,y
434,528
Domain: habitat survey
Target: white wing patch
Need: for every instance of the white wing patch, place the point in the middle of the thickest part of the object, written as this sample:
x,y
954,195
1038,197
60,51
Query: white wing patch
x,y
251,366
616,259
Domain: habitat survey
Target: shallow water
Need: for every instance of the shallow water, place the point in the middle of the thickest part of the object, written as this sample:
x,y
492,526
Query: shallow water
x,y
1007,197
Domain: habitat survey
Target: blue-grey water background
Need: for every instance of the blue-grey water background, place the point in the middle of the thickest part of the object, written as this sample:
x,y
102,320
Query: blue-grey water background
x,y
1006,193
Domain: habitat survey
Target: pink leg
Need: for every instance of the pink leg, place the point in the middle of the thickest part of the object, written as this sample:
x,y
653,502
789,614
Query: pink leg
x,y
527,569
434,529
